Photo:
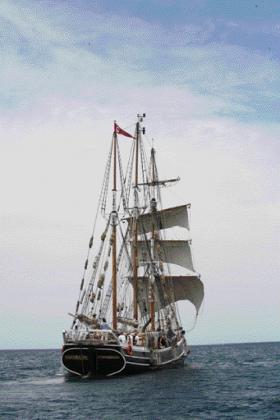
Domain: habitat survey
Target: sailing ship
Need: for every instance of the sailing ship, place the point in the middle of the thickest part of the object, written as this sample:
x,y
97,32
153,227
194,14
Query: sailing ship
x,y
126,318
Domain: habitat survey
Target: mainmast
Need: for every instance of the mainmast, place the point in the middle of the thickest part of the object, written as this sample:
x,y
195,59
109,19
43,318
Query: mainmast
x,y
135,229
114,236
135,217
153,208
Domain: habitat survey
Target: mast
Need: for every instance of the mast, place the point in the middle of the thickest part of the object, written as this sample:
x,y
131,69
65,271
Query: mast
x,y
135,228
135,217
152,294
114,238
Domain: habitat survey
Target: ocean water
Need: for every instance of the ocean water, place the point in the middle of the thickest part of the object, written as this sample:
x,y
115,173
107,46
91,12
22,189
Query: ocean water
x,y
240,381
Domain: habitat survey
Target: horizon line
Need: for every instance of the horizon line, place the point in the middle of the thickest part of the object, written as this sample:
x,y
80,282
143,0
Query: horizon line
x,y
193,345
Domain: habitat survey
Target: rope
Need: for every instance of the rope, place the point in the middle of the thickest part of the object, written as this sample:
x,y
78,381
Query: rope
x,y
95,270
105,185
103,194
123,195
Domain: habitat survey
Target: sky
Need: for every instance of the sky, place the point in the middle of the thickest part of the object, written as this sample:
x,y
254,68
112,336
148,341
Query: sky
x,y
207,74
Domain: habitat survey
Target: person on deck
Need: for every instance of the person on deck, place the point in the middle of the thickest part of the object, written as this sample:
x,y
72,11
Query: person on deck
x,y
162,342
170,335
134,334
104,325
129,349
94,322
140,339
122,338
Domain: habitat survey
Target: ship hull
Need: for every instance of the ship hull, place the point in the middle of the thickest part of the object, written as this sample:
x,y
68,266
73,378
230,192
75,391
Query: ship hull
x,y
95,361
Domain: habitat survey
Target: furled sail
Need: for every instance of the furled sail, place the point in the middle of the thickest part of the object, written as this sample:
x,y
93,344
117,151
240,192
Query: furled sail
x,y
179,287
168,251
164,219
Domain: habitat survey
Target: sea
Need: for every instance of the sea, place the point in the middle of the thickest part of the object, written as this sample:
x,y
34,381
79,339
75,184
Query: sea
x,y
231,381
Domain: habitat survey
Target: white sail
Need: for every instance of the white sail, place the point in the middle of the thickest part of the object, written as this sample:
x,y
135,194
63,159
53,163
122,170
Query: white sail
x,y
174,252
179,288
164,219
187,288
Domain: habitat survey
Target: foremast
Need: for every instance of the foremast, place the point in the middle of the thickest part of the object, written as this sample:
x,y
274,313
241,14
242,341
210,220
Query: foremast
x,y
114,233
155,288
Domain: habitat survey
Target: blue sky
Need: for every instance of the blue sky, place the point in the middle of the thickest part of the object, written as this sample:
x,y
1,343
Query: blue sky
x,y
207,73
229,50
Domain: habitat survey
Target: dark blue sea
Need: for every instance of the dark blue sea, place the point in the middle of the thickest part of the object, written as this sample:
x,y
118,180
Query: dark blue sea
x,y
239,381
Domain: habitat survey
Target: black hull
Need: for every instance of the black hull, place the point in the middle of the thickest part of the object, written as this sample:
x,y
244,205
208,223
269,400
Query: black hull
x,y
97,361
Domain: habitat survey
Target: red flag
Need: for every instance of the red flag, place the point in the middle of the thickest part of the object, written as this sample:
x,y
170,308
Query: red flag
x,y
119,130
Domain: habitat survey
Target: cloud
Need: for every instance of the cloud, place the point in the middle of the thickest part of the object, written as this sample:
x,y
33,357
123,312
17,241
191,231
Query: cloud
x,y
47,48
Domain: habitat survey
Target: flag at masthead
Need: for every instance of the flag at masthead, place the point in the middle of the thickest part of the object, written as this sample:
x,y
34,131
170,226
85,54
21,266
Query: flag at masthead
x,y
119,130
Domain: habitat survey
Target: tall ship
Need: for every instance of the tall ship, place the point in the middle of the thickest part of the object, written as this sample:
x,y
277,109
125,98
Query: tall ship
x,y
126,319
